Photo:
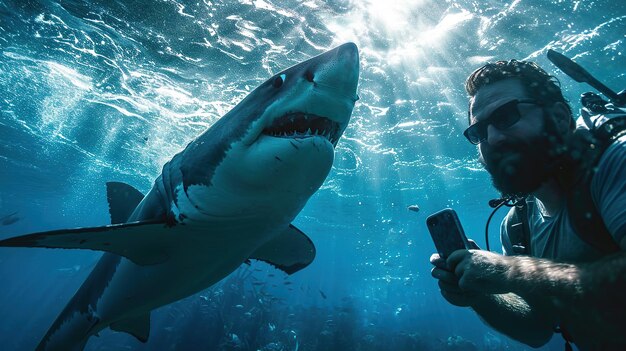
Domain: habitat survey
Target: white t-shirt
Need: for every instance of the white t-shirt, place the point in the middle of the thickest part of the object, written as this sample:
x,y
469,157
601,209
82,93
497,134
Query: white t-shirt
x,y
554,237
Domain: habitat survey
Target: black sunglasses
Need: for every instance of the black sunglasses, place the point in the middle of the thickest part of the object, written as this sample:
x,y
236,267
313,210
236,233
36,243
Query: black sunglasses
x,y
502,118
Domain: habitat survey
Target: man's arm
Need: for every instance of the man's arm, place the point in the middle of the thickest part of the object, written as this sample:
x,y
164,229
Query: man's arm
x,y
514,317
506,313
588,299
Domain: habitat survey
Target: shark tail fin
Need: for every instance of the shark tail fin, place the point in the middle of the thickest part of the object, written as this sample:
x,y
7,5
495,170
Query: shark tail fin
x,y
74,325
123,199
77,321
56,344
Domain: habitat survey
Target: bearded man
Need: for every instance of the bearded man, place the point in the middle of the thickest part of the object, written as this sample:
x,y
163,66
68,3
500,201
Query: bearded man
x,y
558,281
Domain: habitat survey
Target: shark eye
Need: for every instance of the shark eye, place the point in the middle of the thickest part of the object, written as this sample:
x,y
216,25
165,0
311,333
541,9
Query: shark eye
x,y
278,82
309,76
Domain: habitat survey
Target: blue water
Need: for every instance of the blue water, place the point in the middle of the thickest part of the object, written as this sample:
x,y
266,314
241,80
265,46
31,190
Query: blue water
x,y
94,91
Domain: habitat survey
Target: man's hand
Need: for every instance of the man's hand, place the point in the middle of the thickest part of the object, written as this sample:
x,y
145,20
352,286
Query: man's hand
x,y
482,280
480,272
449,283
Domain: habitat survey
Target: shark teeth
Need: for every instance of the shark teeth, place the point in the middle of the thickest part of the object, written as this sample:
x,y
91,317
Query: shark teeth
x,y
302,125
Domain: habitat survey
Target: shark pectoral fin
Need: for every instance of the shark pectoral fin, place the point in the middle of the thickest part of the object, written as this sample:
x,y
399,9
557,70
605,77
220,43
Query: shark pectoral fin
x,y
144,243
123,199
138,327
290,251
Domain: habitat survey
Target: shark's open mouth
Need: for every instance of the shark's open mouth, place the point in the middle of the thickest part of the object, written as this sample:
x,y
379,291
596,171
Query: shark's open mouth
x,y
302,125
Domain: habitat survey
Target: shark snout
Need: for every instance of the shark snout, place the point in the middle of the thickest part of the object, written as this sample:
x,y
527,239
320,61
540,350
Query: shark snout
x,y
338,71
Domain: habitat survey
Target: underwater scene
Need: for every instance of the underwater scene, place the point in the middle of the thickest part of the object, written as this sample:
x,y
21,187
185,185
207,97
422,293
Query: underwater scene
x,y
111,90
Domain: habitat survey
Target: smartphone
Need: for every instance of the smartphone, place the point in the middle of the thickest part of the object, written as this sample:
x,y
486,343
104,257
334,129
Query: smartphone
x,y
447,233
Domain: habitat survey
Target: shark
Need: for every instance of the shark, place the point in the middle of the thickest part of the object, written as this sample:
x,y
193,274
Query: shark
x,y
228,197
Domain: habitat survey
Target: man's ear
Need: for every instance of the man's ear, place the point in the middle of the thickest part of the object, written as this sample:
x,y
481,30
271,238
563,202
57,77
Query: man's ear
x,y
562,118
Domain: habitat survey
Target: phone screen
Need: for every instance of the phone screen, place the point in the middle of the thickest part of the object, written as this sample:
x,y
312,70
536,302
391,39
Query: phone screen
x,y
446,231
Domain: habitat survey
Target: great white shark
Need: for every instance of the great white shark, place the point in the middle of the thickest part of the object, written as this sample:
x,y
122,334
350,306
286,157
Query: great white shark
x,y
228,197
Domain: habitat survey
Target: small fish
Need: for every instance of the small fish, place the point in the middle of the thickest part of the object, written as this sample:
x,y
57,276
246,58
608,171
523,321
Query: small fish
x,y
239,306
323,295
9,219
413,208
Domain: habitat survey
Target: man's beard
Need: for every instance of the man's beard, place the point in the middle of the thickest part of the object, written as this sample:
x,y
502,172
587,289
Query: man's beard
x,y
520,167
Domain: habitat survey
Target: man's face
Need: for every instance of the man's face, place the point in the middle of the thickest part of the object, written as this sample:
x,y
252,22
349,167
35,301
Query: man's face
x,y
516,155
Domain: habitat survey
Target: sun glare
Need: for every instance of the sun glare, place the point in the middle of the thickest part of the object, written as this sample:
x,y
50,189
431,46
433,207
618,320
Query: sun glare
x,y
392,16
409,29
448,23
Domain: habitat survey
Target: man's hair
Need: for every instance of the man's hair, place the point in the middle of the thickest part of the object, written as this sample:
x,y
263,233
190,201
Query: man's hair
x,y
538,83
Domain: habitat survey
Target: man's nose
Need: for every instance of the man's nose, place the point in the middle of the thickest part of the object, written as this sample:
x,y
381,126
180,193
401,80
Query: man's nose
x,y
494,135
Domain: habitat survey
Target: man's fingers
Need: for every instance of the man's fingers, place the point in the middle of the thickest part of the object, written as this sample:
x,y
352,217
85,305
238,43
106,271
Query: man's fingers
x,y
455,258
449,287
445,275
437,261
459,300
434,258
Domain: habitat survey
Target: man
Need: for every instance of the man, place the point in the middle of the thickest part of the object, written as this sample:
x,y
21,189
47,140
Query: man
x,y
524,131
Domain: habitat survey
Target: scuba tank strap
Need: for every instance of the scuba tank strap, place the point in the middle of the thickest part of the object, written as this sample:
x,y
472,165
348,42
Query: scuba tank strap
x,y
518,228
588,223
585,217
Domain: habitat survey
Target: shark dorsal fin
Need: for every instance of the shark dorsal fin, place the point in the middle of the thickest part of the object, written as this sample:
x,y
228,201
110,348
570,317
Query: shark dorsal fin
x,y
290,251
138,327
123,199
